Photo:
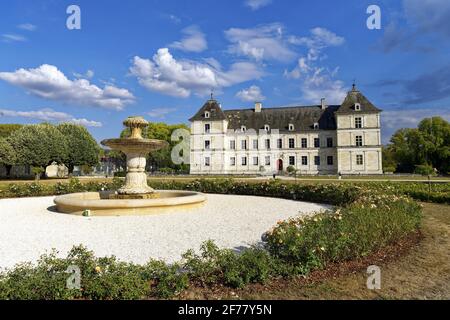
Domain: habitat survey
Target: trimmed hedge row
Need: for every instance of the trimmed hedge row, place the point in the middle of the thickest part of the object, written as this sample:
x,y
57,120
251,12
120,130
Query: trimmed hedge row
x,y
330,193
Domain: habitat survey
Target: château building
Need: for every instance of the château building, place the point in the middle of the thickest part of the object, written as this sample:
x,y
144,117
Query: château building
x,y
318,139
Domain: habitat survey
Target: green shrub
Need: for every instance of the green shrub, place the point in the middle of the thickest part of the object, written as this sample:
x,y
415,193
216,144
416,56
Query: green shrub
x,y
424,170
348,233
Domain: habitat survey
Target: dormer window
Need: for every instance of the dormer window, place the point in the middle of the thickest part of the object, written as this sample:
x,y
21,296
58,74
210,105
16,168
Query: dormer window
x,y
291,127
267,128
316,126
207,114
243,128
357,107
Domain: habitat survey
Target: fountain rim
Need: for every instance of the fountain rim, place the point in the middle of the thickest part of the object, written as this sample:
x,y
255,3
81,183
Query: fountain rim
x,y
76,203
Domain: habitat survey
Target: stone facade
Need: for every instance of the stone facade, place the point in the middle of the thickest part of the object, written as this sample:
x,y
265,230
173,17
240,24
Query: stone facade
x,y
317,139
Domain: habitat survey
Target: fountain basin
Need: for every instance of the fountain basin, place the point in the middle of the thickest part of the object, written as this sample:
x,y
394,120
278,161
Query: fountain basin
x,y
101,204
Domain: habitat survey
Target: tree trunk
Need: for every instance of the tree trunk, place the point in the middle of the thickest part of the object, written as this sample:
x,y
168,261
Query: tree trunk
x,y
8,170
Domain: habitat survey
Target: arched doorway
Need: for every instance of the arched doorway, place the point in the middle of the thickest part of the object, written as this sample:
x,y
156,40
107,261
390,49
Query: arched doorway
x,y
280,165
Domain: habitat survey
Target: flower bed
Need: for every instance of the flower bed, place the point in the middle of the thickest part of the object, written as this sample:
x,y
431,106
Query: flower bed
x,y
366,218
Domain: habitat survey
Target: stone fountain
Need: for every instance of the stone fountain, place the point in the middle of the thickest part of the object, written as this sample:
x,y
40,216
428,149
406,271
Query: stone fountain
x,y
135,148
135,197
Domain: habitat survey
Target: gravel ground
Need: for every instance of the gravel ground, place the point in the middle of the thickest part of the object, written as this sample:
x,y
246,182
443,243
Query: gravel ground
x,y
28,228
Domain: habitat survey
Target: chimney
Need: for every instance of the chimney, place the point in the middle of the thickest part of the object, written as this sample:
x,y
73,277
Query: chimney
x,y
258,106
323,104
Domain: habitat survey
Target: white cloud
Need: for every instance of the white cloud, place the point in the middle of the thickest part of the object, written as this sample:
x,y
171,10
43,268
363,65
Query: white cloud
x,y
89,74
181,78
49,83
13,37
317,81
319,39
252,94
49,115
265,42
322,84
27,27
257,4
193,41
160,112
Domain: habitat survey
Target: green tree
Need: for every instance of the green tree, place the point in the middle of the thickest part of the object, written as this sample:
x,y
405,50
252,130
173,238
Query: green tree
x,y
7,155
39,145
436,133
7,129
83,150
427,145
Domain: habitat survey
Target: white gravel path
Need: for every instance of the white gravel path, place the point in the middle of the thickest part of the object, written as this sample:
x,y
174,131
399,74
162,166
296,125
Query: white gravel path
x,y
28,229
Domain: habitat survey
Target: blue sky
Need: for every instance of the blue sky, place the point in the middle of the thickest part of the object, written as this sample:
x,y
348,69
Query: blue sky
x,y
161,59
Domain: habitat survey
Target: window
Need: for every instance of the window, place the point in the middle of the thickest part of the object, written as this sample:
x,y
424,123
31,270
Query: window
x,y
207,161
291,127
291,143
304,143
359,160
316,143
316,126
357,106
267,160
255,144
232,144
244,161
255,161
280,143
317,160
330,160
267,127
233,161
207,144
359,141
292,161
267,144
207,114
207,128
304,160
243,129
244,144
358,123
329,142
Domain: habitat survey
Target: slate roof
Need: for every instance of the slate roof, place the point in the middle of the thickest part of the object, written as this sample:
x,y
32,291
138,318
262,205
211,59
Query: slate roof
x,y
354,96
302,117
214,109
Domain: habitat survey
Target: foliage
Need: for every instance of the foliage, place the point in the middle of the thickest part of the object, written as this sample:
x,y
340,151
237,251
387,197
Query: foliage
x,y
291,169
82,147
429,144
424,170
39,145
367,218
7,129
7,154
348,233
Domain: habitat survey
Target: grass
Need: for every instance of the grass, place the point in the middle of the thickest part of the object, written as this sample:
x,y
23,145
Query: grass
x,y
422,271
